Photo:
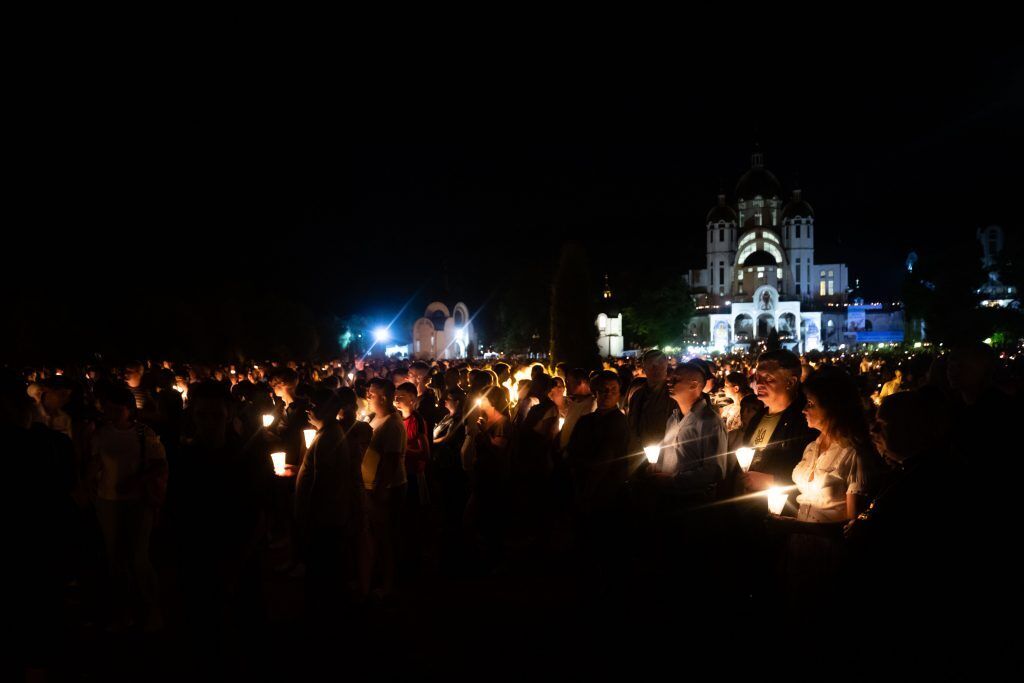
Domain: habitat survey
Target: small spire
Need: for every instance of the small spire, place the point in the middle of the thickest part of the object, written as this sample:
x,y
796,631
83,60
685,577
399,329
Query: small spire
x,y
757,158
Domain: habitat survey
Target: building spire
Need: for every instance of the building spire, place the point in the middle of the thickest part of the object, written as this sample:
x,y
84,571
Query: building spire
x,y
757,158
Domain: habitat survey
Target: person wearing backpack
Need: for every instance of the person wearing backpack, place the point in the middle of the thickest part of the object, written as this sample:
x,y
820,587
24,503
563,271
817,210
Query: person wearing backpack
x,y
130,470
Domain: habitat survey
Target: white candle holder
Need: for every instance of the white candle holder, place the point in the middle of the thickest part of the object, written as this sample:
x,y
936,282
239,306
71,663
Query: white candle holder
x,y
745,456
278,460
652,453
310,434
777,500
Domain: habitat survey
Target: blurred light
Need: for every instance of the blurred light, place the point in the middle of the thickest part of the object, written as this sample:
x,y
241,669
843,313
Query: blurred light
x,y
381,335
268,419
652,453
278,460
310,434
777,500
745,456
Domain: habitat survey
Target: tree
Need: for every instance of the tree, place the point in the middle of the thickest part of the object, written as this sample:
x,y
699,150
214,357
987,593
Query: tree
x,y
658,307
574,311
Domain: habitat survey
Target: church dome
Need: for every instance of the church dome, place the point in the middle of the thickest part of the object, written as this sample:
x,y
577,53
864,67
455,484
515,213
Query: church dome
x,y
722,212
758,181
797,207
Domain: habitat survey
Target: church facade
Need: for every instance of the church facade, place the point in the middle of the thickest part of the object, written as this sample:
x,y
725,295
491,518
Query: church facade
x,y
761,273
443,333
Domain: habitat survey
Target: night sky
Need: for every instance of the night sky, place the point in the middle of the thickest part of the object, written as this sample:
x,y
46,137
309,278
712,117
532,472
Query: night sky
x,y
351,194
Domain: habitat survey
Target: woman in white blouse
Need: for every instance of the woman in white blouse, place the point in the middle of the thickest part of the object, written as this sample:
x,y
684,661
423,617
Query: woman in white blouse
x,y
833,483
832,476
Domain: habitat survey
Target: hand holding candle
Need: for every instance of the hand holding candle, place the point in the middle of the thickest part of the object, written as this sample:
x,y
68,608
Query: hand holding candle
x,y
745,456
777,498
279,464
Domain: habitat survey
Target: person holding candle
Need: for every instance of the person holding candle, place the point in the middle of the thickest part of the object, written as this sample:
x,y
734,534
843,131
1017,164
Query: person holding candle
x,y
384,478
648,405
486,459
779,433
833,475
693,450
833,480
328,505
581,402
291,414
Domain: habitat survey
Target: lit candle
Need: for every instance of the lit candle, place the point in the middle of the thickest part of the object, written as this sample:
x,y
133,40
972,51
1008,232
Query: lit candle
x,y
479,402
561,423
309,434
278,459
268,419
351,376
652,453
745,456
777,500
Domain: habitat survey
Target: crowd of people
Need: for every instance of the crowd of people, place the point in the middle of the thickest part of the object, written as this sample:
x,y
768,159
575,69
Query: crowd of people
x,y
362,478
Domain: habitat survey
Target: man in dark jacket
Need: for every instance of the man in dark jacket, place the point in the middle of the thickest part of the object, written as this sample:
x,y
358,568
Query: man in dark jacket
x,y
779,434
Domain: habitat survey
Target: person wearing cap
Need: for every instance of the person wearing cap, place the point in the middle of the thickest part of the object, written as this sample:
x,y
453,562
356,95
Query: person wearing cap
x,y
649,405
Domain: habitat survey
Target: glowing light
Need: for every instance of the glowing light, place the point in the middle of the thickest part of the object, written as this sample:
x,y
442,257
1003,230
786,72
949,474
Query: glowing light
x,y
745,456
381,335
561,423
777,500
268,419
479,402
278,460
652,453
310,434
351,376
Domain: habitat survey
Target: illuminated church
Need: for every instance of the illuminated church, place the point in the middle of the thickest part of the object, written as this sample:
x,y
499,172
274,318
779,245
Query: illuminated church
x,y
761,274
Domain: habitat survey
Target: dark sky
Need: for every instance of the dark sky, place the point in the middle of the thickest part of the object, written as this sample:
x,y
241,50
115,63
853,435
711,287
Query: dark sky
x,y
351,193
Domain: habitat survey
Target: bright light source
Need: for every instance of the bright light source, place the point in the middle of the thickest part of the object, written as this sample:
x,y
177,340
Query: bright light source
x,y
745,456
278,460
268,419
381,335
652,453
310,434
561,423
777,500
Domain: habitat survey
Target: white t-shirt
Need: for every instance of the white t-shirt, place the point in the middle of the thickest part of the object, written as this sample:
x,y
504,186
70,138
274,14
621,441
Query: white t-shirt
x,y
824,479
120,460
382,463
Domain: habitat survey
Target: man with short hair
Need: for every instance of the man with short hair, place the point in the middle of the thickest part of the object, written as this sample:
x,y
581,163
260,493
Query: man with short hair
x,y
419,374
581,402
693,451
649,406
779,434
384,479
291,414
